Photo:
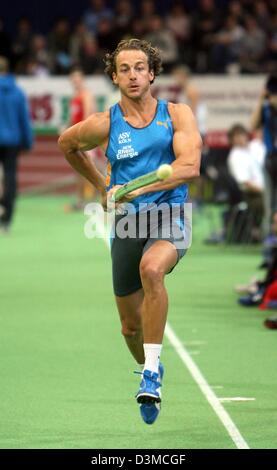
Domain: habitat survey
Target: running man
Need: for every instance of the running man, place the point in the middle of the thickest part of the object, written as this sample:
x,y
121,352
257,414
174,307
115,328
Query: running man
x,y
138,134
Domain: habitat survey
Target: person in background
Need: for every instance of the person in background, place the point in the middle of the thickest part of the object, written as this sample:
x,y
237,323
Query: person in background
x,y
15,135
97,12
248,174
265,116
81,105
191,96
164,39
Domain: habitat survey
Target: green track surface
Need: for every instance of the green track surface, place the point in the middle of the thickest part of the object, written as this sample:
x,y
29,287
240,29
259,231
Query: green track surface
x,y
66,376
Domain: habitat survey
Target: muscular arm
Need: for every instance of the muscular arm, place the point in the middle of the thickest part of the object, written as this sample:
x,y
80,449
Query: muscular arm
x,y
86,135
187,146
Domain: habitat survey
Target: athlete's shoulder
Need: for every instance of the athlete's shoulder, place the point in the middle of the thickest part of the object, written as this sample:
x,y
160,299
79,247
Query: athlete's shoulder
x,y
95,129
180,113
97,123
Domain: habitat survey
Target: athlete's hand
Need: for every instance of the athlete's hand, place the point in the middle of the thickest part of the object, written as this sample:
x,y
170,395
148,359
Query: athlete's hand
x,y
111,204
127,198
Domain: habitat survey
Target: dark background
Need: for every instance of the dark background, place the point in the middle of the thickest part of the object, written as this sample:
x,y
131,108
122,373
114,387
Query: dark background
x,y
44,13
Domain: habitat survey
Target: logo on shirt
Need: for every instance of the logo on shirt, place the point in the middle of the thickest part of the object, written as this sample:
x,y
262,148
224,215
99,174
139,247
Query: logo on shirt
x,y
124,138
126,152
163,123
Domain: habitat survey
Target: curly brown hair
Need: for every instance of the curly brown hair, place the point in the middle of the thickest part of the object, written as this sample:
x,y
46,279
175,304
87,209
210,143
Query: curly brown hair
x,y
153,54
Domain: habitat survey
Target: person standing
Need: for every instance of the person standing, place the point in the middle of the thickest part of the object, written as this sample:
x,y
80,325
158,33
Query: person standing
x,y
265,116
81,106
15,136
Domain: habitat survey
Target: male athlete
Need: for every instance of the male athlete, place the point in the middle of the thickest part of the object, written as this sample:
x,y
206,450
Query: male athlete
x,y
139,134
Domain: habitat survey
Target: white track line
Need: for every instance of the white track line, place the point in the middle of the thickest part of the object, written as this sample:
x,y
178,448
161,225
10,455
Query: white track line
x,y
195,373
206,389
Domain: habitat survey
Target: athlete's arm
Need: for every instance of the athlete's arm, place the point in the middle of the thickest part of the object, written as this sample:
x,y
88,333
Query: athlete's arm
x,y
86,135
187,144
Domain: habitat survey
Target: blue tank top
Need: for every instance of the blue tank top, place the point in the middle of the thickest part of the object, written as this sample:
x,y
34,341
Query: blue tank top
x,y
133,151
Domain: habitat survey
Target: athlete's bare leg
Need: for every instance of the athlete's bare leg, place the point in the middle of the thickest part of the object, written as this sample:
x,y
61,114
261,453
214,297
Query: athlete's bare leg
x,y
129,308
155,263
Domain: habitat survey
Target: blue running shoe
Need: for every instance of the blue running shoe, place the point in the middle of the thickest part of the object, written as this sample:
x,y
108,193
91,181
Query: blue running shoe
x,y
149,395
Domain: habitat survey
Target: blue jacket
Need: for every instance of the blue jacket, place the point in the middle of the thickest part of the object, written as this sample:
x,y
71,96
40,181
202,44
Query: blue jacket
x,y
15,125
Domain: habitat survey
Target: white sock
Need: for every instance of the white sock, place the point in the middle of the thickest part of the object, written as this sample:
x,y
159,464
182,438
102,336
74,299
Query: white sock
x,y
152,354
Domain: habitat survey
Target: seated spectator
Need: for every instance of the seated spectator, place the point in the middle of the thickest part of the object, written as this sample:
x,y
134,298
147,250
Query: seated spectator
x,y
97,12
76,40
39,55
162,38
235,9
137,29
179,23
123,16
90,58
227,45
206,21
107,35
59,46
252,46
248,174
22,44
262,16
147,11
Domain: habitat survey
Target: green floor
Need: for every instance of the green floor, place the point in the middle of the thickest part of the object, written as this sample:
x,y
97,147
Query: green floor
x,y
66,376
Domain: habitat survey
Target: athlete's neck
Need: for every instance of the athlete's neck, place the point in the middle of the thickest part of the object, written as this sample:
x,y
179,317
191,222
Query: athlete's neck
x,y
145,105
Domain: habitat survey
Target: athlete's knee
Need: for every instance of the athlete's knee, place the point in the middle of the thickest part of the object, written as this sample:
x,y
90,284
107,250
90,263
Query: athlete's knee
x,y
151,272
130,331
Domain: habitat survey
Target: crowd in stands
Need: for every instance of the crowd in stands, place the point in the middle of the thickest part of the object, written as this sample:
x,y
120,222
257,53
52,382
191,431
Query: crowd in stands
x,y
242,38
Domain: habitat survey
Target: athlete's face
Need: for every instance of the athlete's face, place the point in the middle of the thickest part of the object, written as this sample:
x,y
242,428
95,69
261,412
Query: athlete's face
x,y
132,75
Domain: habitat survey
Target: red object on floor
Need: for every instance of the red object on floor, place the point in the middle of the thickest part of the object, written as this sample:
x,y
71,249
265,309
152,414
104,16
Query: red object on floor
x,y
270,295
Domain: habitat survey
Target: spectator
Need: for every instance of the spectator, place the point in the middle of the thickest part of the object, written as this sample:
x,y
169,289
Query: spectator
x,y
97,12
164,40
147,11
107,36
227,45
235,9
191,95
265,115
123,16
59,46
90,59
248,174
137,28
76,41
179,23
15,135
252,46
206,22
39,55
261,14
22,44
